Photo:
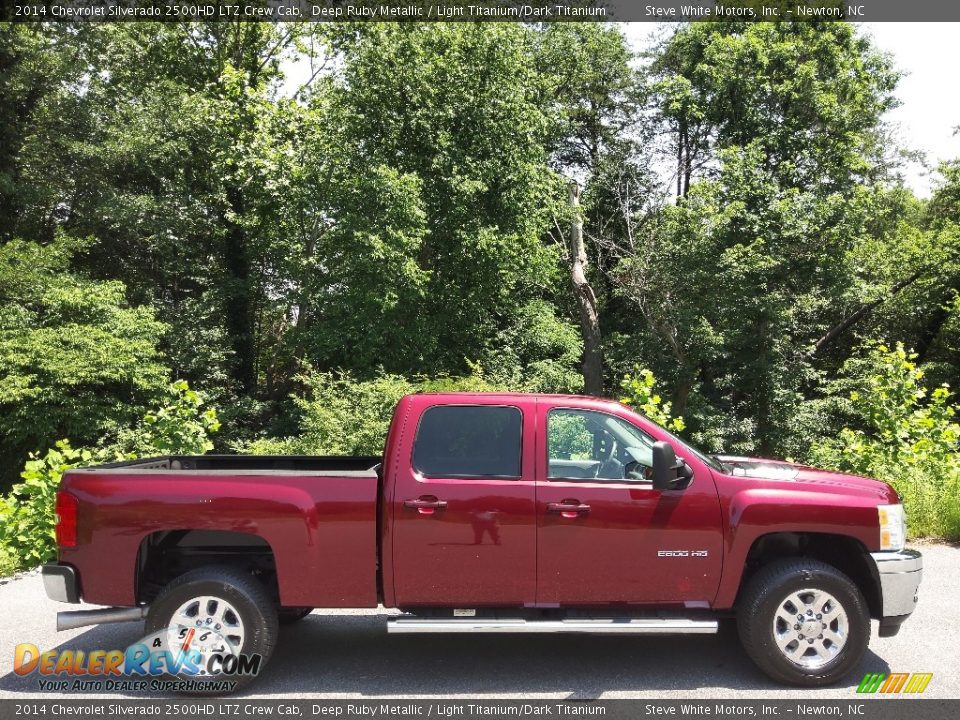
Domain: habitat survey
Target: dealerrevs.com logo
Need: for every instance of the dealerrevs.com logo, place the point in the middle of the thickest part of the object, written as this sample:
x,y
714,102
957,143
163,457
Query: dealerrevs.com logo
x,y
910,683
176,659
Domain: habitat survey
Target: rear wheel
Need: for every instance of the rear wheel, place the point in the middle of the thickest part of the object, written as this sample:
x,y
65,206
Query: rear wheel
x,y
803,622
215,613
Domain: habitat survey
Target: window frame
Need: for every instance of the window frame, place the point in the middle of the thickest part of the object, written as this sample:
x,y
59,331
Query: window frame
x,y
604,481
416,435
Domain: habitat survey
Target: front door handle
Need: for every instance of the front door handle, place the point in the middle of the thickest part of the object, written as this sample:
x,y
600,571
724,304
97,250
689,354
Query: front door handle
x,y
425,504
568,508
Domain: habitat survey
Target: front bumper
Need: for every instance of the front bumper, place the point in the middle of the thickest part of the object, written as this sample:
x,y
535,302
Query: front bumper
x,y
899,574
60,583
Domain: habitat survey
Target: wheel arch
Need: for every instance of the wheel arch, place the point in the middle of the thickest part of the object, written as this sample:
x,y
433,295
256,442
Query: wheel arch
x,y
166,554
845,553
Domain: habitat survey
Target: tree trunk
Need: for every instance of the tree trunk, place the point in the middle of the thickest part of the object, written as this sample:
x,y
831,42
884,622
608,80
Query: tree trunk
x,y
239,314
681,131
586,301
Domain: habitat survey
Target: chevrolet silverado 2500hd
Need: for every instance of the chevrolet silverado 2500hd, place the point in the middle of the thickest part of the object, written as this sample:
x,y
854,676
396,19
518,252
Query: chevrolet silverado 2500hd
x,y
496,513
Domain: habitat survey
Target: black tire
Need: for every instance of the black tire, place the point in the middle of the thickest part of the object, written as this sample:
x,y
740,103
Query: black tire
x,y
767,592
291,615
250,599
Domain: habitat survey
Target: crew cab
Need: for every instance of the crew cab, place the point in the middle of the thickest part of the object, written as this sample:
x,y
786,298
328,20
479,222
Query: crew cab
x,y
495,513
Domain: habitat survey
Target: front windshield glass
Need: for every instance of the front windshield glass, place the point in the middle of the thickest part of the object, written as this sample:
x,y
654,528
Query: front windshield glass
x,y
684,445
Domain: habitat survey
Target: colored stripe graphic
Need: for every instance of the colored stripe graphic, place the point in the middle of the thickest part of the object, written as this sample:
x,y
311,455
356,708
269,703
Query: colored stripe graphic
x,y
870,682
918,683
913,683
895,681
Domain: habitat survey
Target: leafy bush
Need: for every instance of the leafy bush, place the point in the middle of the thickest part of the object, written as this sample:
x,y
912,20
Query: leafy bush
x,y
340,415
8,562
639,393
27,517
538,352
181,427
909,438
27,513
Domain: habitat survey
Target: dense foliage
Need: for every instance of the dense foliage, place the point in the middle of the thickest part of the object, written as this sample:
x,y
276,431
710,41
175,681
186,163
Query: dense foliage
x,y
907,436
76,359
305,222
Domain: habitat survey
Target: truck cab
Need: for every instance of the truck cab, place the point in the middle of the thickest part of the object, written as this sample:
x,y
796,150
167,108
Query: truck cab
x,y
544,502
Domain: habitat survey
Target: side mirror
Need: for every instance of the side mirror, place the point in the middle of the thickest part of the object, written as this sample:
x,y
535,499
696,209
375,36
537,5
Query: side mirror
x,y
666,469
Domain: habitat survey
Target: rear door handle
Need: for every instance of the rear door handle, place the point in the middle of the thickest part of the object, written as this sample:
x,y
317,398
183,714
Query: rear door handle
x,y
425,504
568,508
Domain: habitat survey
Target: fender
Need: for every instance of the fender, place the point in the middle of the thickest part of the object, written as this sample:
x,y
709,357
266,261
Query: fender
x,y
752,512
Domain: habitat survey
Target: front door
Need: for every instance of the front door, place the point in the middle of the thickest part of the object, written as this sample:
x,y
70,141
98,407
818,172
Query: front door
x,y
605,536
463,509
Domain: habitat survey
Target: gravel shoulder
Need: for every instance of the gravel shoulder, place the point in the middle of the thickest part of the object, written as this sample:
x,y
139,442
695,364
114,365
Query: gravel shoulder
x,y
347,654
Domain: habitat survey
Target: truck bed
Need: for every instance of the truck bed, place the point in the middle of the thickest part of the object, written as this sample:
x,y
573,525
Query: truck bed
x,y
315,516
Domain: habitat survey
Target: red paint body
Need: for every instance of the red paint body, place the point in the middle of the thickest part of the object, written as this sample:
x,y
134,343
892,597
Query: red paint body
x,y
455,542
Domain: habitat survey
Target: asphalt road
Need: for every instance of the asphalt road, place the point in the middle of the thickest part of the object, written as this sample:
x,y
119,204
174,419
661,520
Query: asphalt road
x,y
343,654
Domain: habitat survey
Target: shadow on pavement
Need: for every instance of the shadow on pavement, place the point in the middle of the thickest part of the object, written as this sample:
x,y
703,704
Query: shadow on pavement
x,y
352,654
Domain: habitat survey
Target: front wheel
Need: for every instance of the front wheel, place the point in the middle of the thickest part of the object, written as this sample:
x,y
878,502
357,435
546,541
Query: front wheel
x,y
803,622
221,621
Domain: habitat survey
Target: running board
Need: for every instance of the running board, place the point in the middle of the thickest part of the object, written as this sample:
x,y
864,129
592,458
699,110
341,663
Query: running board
x,y
625,626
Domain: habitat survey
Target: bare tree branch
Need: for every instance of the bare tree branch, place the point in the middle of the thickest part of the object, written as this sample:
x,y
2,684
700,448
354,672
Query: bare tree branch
x,y
848,322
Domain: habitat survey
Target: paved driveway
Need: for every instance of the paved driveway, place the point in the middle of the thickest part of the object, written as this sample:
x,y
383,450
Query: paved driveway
x,y
348,654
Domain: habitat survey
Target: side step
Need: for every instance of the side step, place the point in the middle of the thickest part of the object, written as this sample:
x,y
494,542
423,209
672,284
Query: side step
x,y
625,626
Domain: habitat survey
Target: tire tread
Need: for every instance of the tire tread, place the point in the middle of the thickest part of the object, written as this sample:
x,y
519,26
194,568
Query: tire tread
x,y
254,592
753,623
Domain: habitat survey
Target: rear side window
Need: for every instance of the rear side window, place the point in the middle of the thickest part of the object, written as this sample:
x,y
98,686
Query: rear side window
x,y
478,441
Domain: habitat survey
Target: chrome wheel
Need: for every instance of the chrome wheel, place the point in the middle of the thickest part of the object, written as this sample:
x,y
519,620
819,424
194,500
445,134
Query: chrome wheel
x,y
810,628
208,625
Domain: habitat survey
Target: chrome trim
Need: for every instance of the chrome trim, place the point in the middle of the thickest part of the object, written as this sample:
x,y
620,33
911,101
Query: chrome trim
x,y
900,574
627,626
898,562
82,618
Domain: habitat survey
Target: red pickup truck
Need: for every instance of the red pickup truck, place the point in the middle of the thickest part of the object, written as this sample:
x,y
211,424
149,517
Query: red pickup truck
x,y
495,513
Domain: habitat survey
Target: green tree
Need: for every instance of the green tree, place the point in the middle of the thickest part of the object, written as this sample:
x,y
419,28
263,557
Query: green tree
x,y
809,96
597,140
157,150
452,107
76,360
749,268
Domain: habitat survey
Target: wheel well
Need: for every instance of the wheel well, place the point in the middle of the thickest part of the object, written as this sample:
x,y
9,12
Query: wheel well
x,y
168,554
845,553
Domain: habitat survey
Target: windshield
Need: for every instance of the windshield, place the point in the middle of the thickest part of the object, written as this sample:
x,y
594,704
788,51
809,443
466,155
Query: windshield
x,y
684,445
634,438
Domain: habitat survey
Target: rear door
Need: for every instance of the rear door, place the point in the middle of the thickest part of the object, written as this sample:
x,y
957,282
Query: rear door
x,y
464,532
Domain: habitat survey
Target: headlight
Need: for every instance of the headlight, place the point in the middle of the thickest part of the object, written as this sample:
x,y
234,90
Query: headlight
x,y
893,527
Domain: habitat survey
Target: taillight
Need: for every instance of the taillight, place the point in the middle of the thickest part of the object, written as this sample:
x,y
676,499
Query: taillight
x,y
66,519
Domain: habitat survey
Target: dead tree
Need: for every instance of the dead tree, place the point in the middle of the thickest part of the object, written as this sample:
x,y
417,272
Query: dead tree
x,y
586,300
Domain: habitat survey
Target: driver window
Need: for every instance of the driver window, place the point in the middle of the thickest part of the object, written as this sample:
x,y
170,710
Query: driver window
x,y
587,444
